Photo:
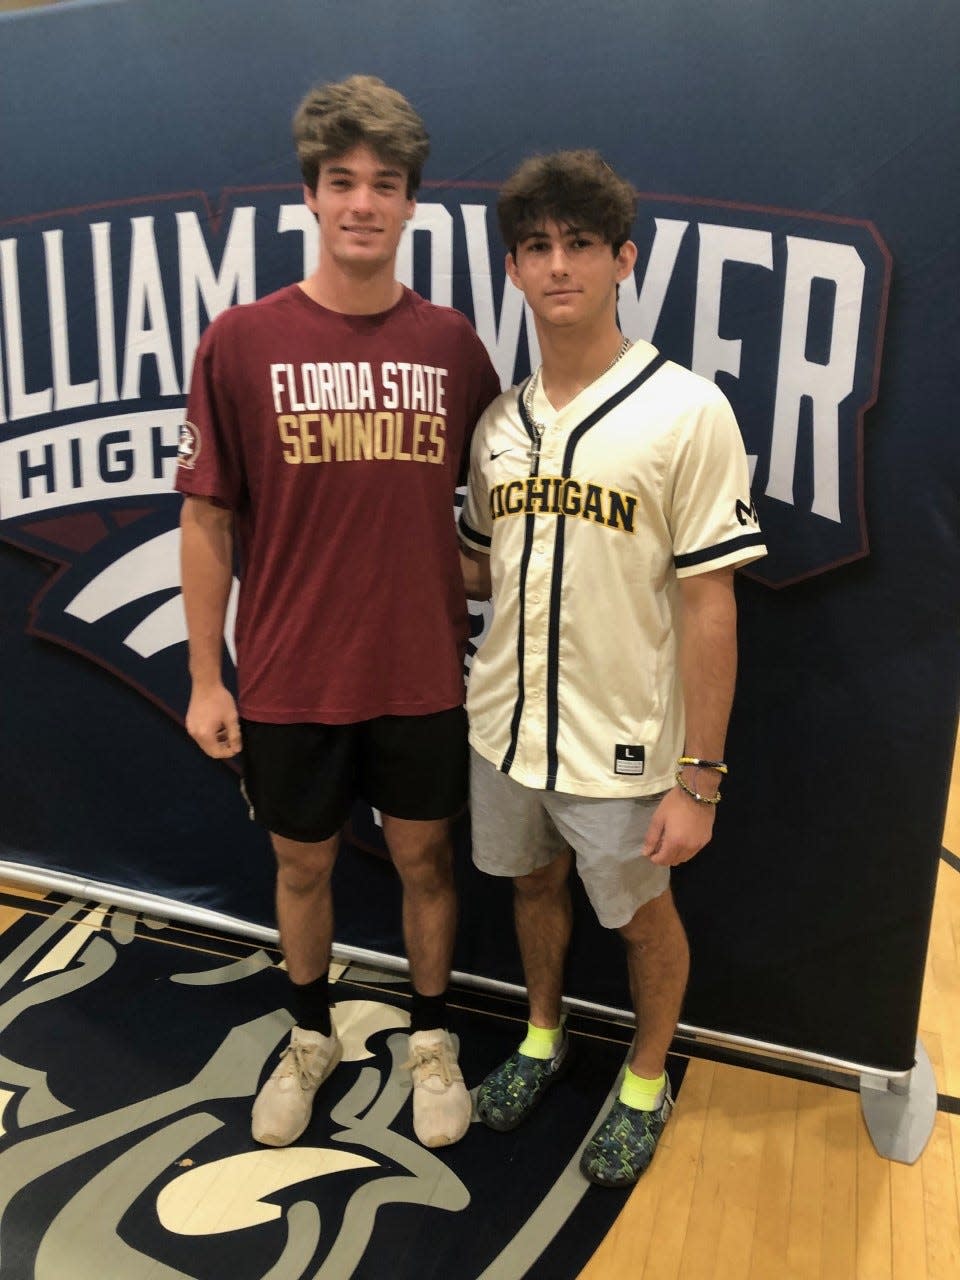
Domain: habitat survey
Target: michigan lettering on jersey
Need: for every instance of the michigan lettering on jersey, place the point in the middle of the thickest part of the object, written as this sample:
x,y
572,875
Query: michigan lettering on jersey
x,y
562,496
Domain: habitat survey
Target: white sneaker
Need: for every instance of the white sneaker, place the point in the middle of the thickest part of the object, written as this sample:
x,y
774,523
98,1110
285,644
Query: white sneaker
x,y
441,1103
283,1106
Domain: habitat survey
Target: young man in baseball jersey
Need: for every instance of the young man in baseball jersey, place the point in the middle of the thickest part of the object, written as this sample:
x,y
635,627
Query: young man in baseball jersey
x,y
608,506
327,427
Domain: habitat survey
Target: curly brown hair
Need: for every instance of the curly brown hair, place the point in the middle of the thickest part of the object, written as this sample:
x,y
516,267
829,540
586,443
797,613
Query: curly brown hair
x,y
359,111
571,188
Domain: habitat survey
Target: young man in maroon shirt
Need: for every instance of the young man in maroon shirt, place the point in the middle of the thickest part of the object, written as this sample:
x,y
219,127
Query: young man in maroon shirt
x,y
327,427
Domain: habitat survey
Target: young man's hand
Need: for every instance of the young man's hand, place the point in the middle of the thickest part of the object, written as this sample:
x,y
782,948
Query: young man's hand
x,y
679,828
213,722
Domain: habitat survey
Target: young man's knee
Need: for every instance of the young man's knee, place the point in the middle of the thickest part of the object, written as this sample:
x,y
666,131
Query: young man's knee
x,y
546,881
303,867
652,921
424,862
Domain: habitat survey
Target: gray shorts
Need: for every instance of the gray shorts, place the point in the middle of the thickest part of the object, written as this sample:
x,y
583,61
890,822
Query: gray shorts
x,y
517,830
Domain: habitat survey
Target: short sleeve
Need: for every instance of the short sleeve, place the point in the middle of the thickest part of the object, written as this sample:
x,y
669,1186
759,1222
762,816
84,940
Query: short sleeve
x,y
709,508
208,456
476,525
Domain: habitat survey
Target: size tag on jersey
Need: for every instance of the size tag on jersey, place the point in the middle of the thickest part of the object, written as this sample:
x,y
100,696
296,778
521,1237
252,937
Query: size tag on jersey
x,y
628,759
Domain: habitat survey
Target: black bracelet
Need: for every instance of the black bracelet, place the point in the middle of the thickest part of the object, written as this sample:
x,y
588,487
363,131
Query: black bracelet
x,y
695,795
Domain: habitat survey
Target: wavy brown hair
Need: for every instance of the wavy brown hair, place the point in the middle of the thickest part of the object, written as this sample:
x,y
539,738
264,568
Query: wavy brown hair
x,y
359,111
572,188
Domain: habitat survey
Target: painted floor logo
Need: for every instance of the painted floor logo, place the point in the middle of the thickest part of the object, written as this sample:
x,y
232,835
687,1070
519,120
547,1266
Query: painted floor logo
x,y
125,1146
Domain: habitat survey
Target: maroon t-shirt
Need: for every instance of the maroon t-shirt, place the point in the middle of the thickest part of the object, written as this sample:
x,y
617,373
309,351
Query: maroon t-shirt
x,y
338,441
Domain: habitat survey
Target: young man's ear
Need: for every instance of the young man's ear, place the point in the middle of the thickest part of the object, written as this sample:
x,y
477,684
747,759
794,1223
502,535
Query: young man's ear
x,y
310,199
512,270
626,260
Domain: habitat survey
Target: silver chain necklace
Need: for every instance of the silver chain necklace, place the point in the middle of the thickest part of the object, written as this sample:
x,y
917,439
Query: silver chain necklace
x,y
531,390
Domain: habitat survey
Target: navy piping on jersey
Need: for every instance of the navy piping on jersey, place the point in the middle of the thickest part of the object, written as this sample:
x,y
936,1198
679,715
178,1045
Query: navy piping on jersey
x,y
618,397
553,654
721,549
507,760
471,534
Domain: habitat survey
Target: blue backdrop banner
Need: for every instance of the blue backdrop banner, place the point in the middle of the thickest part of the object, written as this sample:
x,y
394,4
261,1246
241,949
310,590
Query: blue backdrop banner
x,y
798,173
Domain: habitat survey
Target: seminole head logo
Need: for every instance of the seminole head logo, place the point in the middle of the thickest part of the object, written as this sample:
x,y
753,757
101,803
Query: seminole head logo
x,y
188,447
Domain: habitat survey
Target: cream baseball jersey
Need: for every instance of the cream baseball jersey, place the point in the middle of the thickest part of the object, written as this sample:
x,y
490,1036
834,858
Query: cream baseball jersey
x,y
590,516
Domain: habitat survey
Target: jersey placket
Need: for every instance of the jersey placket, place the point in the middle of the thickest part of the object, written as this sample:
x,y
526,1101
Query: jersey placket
x,y
527,738
532,742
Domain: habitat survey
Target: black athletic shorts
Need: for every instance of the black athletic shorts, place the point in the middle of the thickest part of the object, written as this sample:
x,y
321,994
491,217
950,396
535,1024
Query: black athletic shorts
x,y
302,780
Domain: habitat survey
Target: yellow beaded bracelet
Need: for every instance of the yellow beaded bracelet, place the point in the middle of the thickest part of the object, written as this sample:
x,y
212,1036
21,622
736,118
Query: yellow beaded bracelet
x,y
703,764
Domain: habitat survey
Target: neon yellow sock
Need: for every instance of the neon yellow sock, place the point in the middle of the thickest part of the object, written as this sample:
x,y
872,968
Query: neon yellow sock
x,y
541,1042
642,1094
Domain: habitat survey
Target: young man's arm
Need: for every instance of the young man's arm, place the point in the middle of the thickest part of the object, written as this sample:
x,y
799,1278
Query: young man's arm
x,y
475,567
206,554
681,826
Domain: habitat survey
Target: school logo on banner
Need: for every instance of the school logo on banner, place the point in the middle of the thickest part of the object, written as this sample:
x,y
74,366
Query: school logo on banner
x,y
102,310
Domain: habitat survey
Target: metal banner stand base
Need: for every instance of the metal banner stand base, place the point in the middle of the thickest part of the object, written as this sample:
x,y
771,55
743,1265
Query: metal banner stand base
x,y
899,1112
